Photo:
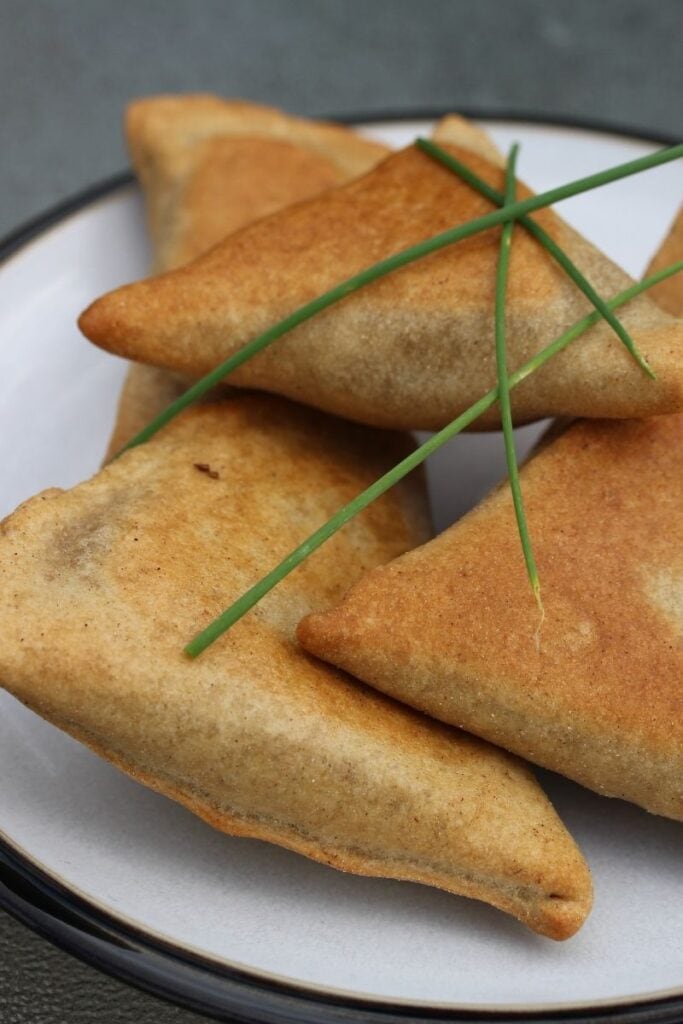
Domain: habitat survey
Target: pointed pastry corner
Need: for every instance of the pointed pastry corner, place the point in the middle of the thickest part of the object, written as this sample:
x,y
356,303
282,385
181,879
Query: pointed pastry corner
x,y
175,112
323,633
458,131
156,126
560,914
545,883
116,319
139,112
96,322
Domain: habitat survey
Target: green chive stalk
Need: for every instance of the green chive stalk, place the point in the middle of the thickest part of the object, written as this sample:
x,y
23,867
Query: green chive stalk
x,y
247,601
504,385
395,262
542,236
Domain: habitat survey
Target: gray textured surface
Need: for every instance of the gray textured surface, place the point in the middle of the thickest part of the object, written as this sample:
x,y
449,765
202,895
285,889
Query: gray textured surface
x,y
67,67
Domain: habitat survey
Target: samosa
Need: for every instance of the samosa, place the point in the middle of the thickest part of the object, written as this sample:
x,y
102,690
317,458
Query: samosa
x,y
415,348
103,585
207,167
195,196
594,689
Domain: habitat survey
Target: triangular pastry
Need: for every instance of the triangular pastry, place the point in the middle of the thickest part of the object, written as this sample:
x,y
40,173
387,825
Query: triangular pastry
x,y
104,584
594,688
209,166
456,130
416,348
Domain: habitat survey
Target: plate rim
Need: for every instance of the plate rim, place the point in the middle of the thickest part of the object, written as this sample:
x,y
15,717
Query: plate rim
x,y
42,903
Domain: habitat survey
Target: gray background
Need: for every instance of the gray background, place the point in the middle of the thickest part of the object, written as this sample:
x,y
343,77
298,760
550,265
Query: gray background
x,y
67,67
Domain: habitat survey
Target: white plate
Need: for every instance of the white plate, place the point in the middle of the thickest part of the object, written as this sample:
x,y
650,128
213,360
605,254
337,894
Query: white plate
x,y
149,863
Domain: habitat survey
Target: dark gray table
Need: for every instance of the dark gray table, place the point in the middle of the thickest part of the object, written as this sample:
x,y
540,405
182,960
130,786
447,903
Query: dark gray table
x,y
67,67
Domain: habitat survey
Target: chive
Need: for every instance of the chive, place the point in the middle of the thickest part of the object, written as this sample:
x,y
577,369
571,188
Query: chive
x,y
391,263
247,601
542,236
504,385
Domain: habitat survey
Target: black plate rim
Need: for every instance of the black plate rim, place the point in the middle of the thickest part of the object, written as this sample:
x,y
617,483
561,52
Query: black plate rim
x,y
72,923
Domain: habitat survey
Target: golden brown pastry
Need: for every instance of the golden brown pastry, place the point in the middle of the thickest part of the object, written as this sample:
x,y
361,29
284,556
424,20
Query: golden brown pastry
x,y
669,294
146,392
411,350
102,586
209,166
458,131
595,689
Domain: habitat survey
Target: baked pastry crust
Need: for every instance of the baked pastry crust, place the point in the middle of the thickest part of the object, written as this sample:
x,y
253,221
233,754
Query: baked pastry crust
x,y
415,348
102,586
455,130
210,165
594,688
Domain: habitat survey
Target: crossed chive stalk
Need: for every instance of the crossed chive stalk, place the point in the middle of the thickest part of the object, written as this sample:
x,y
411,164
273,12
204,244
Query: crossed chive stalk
x,y
508,212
